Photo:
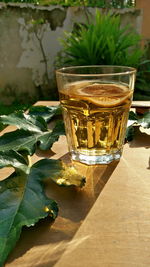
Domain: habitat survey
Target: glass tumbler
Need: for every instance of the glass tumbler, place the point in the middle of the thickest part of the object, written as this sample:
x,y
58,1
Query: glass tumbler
x,y
95,101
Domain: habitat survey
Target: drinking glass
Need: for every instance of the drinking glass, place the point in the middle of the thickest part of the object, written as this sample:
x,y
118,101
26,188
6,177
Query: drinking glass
x,y
95,101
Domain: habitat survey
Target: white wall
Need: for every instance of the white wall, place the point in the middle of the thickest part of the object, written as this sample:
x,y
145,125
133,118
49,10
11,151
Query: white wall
x,y
22,64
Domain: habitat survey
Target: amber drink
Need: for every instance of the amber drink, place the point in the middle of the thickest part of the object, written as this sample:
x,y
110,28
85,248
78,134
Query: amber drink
x,y
95,114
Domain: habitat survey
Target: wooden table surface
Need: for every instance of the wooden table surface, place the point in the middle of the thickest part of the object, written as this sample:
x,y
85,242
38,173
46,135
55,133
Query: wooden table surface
x,y
105,224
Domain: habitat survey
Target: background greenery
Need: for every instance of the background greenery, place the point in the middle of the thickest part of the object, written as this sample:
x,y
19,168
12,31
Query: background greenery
x,y
91,3
106,42
102,41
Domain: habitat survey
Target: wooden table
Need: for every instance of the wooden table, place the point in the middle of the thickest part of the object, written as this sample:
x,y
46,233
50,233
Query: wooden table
x,y
105,224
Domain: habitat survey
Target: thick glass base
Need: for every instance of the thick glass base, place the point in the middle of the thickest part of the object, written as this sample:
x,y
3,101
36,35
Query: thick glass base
x,y
93,160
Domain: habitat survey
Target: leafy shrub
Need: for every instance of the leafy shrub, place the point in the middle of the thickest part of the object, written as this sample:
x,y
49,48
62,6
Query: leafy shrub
x,y
103,42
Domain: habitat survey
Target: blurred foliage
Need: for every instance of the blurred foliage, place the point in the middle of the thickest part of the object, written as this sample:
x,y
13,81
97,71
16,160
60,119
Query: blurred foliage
x,y
7,109
102,42
95,3
90,3
106,42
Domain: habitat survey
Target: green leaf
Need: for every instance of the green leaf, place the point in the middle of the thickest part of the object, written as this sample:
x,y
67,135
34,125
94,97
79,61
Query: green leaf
x,y
129,133
69,176
24,121
22,197
19,140
60,173
12,159
48,138
33,132
46,112
145,120
23,201
102,42
132,118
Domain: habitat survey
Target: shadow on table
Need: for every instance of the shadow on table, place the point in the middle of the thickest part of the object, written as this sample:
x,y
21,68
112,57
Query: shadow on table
x,y
44,244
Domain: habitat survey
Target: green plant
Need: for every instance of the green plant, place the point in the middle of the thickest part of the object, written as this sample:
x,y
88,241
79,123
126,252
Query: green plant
x,y
94,3
102,42
137,121
7,109
22,197
142,85
105,42
90,3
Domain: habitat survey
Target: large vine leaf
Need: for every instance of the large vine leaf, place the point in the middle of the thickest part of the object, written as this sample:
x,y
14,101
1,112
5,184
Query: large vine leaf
x,y
19,140
12,158
130,133
22,197
60,173
46,112
24,121
135,120
47,139
132,118
32,132
145,120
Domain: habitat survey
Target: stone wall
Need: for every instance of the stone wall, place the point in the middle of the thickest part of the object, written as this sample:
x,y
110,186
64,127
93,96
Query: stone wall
x,y
29,44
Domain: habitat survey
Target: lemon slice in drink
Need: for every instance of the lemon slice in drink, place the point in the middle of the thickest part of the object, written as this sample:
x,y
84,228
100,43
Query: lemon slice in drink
x,y
105,95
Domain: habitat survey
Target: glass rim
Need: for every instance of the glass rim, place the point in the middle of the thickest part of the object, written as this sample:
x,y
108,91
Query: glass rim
x,y
127,70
